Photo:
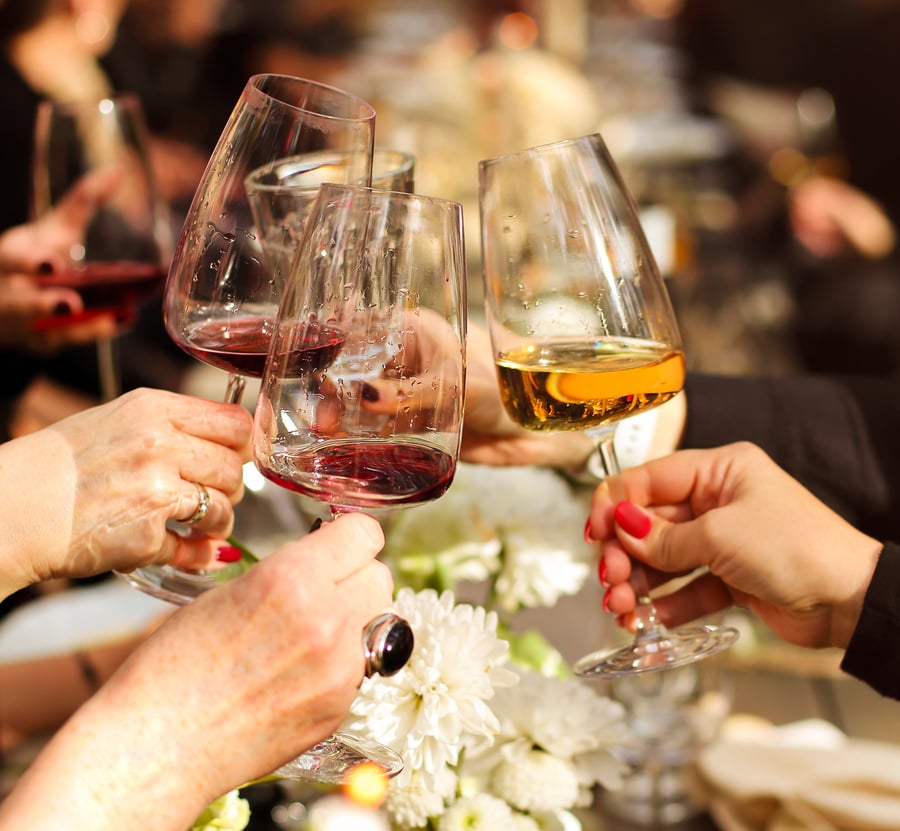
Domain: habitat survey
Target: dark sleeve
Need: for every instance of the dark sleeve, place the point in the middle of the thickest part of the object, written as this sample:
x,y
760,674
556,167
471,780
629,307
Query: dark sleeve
x,y
839,436
873,655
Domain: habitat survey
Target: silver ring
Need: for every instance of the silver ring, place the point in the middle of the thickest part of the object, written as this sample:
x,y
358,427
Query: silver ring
x,y
387,644
203,508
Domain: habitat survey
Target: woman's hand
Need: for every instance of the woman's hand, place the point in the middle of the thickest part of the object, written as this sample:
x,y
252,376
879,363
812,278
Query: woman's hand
x,y
225,691
764,541
93,492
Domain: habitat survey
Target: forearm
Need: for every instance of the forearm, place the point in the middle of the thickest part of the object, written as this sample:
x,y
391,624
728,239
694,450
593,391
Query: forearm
x,y
37,482
120,763
39,695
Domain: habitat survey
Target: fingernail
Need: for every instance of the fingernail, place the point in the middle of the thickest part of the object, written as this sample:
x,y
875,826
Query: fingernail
x,y
368,392
228,554
601,571
632,520
46,267
316,524
588,531
61,308
606,602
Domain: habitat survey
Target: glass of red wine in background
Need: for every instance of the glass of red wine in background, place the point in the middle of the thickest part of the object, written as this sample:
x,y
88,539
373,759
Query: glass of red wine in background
x,y
221,296
91,161
583,332
361,403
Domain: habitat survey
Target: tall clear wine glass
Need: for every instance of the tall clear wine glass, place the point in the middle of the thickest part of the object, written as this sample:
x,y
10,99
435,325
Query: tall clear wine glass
x,y
583,331
361,402
221,296
91,160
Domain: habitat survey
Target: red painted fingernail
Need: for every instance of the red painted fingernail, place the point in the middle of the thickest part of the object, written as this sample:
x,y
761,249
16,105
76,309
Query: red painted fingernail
x,y
606,602
228,554
587,531
601,572
632,520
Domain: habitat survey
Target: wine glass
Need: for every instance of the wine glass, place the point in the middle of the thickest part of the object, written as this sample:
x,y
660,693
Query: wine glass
x,y
91,160
361,403
221,296
382,272
583,331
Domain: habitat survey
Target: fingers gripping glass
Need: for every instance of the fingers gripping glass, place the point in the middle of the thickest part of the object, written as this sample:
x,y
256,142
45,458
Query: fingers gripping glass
x,y
582,330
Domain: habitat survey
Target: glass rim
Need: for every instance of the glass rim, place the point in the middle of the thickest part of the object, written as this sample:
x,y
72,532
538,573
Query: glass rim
x,y
364,108
594,137
299,164
407,196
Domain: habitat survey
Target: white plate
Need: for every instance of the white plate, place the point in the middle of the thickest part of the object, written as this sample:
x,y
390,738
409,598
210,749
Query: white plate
x,y
75,619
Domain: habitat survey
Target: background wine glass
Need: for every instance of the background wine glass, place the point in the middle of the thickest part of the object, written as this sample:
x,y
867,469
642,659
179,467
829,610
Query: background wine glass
x,y
582,330
385,269
95,155
221,297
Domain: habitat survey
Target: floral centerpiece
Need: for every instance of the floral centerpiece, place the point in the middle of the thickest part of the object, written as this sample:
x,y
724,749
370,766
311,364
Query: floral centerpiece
x,y
494,730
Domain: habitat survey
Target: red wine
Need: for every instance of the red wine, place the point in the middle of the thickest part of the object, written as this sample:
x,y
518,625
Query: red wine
x,y
364,473
241,346
114,287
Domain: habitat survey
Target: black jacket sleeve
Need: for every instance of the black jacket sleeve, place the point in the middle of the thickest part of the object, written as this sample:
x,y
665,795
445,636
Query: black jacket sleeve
x,y
873,655
839,436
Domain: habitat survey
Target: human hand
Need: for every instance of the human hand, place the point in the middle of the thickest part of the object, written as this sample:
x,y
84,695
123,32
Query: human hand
x,y
43,246
93,492
764,541
225,691
491,437
830,217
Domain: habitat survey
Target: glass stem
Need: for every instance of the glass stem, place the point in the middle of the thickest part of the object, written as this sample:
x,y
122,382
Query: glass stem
x,y
235,391
647,625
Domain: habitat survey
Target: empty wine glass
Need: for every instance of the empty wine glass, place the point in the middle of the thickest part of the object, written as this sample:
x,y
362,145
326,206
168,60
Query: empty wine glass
x,y
582,330
221,297
91,160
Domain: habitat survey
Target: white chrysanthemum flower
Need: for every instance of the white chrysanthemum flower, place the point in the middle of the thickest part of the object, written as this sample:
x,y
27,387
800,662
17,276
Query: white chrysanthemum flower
x,y
523,822
437,703
564,717
528,517
536,781
481,812
410,803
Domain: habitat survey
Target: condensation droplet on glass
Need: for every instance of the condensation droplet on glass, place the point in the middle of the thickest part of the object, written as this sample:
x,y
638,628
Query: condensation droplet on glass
x,y
573,233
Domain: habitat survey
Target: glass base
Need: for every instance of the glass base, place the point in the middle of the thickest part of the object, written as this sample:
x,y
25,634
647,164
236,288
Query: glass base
x,y
181,587
331,761
656,652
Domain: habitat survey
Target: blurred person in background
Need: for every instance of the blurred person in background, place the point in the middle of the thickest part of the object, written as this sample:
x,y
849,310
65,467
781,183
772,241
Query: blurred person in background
x,y
822,205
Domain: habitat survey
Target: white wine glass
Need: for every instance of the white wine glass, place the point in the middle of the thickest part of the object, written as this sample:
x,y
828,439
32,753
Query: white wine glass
x,y
583,332
221,296
92,161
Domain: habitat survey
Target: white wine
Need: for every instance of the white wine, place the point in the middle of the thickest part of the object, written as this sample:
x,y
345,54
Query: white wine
x,y
576,384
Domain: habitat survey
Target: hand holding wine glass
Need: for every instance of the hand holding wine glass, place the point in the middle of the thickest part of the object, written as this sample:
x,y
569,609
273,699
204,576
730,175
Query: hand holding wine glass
x,y
92,165
221,296
582,329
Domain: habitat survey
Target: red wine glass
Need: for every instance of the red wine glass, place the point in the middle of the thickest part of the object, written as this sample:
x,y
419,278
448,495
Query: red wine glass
x,y
91,161
583,331
221,296
361,402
